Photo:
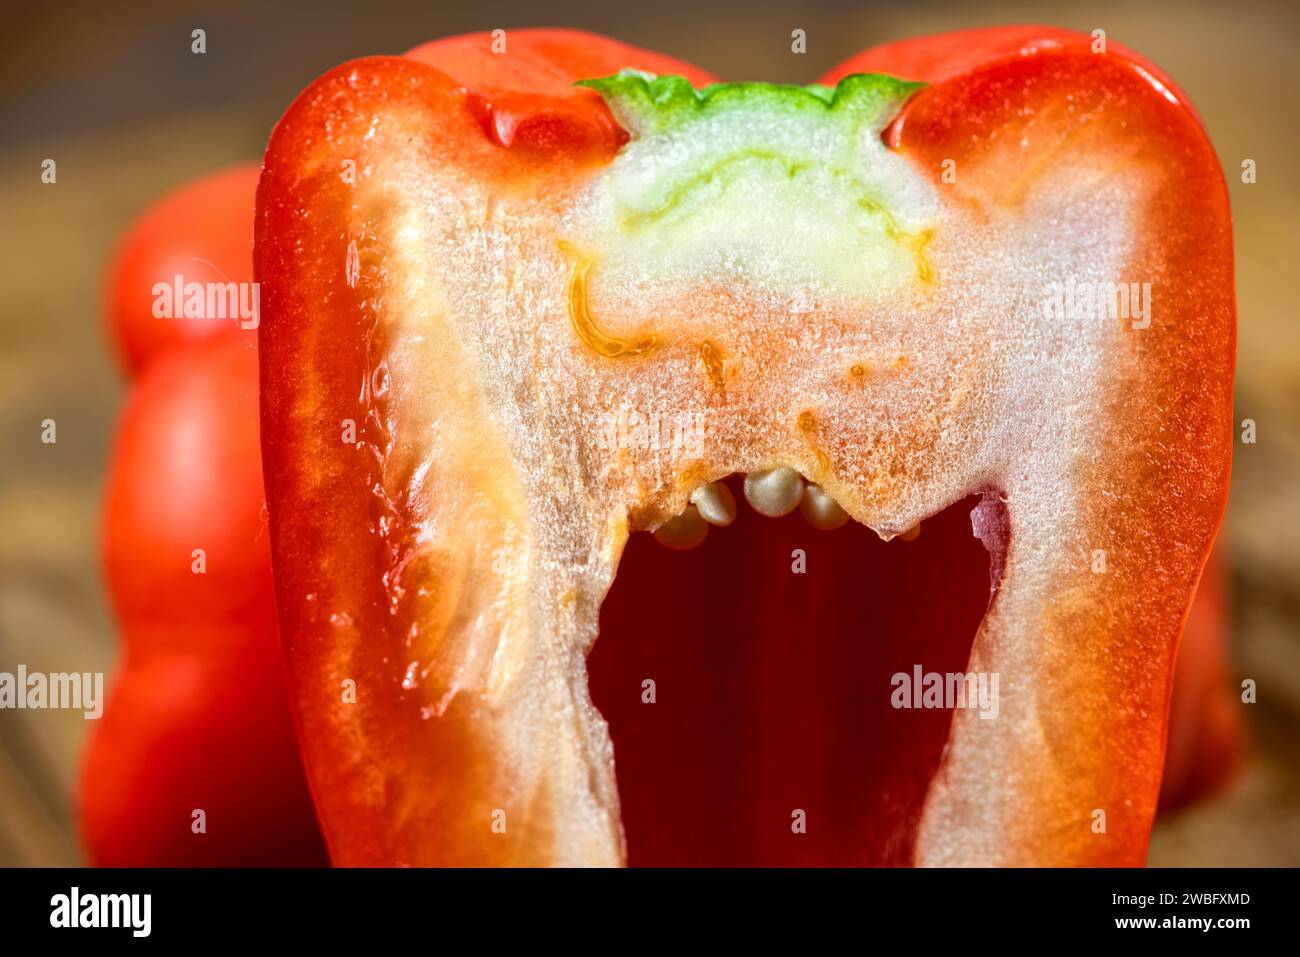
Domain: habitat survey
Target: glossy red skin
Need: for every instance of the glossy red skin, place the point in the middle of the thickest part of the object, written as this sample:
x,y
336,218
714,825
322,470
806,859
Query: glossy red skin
x,y
197,714
327,344
203,232
527,104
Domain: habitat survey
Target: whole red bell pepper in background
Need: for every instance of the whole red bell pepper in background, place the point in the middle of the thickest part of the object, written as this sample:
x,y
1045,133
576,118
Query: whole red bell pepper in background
x,y
197,715
438,350
201,232
1206,746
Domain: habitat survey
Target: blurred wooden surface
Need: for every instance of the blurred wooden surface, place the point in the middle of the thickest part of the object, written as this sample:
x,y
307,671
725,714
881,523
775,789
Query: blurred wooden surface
x,y
115,97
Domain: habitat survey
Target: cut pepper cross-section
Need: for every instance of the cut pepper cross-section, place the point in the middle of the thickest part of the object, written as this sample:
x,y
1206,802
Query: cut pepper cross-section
x,y
511,318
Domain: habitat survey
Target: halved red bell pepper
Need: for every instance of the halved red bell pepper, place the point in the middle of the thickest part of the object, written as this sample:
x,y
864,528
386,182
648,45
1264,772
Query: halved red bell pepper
x,y
508,321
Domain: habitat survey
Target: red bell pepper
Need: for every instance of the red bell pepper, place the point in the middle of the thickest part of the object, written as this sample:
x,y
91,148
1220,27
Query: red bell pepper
x,y
509,320
194,761
202,233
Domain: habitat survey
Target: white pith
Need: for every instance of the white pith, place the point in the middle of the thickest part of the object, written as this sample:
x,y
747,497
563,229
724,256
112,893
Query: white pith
x,y
768,196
